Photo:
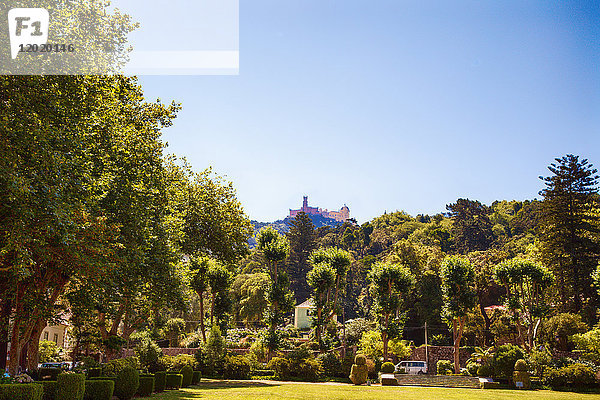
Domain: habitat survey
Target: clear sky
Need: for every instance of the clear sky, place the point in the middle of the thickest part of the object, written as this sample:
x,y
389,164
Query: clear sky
x,y
391,105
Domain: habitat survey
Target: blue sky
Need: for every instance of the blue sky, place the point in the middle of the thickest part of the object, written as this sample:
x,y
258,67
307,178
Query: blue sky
x,y
391,105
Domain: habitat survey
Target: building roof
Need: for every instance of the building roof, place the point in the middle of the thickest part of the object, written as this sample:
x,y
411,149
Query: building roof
x,y
307,304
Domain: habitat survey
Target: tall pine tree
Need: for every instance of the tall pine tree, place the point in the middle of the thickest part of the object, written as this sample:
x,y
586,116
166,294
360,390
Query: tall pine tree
x,y
303,240
570,230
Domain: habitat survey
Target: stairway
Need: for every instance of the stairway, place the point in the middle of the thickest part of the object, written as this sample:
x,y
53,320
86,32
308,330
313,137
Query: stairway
x,y
438,380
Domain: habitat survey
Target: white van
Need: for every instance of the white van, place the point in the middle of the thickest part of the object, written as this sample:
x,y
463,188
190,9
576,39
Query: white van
x,y
412,367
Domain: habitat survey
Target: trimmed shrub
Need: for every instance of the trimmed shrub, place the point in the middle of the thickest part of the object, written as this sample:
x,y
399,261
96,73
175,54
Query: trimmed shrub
x,y
70,386
160,381
50,388
49,374
281,366
332,366
521,365
485,371
387,368
127,383
146,387
236,367
473,368
308,369
577,376
21,391
196,377
505,359
188,374
94,372
114,367
173,381
360,359
445,367
100,389
359,374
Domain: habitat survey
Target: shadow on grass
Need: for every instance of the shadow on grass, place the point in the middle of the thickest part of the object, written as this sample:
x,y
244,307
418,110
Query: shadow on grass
x,y
218,384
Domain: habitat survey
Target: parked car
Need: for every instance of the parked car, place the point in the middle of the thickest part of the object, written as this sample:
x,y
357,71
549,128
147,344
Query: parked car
x,y
61,365
412,367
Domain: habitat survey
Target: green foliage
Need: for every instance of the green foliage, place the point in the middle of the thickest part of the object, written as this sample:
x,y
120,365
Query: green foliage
x,y
560,328
196,377
485,370
355,329
173,381
249,294
236,367
588,345
577,376
188,374
21,391
99,390
387,368
360,359
303,240
505,359
521,365
148,353
70,386
146,387
173,329
371,344
127,383
50,388
114,367
473,368
49,352
94,372
458,286
281,366
175,363
445,367
359,374
332,365
160,380
472,228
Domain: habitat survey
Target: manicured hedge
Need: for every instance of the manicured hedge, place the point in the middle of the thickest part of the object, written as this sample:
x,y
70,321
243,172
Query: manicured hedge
x,y
146,387
50,388
49,374
160,381
94,372
174,381
99,389
127,383
21,391
70,387
188,374
196,377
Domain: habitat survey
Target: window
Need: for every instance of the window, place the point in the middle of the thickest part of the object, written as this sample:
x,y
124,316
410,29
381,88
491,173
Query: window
x,y
45,335
56,338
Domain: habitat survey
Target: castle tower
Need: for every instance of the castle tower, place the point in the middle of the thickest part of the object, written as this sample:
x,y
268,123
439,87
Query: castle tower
x,y
305,204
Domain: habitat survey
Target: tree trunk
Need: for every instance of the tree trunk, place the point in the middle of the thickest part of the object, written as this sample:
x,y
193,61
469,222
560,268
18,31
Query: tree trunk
x,y
202,329
384,338
5,310
33,346
457,331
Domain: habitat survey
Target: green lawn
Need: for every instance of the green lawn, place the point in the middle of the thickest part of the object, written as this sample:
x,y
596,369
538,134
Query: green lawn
x,y
223,390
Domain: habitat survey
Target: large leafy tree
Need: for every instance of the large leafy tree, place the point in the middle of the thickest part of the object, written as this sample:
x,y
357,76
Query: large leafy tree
x,y
275,248
458,288
322,281
303,240
472,228
570,229
390,284
525,282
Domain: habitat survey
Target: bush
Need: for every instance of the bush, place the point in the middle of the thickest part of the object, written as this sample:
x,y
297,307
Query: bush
x,y
558,330
445,367
127,383
521,365
387,368
371,368
196,377
21,391
473,368
236,367
99,389
360,359
173,381
160,381
359,374
578,376
50,388
49,374
148,353
485,371
116,366
188,374
308,369
94,372
332,366
70,386
505,359
281,366
146,387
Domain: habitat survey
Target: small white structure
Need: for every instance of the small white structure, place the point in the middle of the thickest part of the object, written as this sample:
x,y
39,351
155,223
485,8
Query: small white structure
x,y
303,315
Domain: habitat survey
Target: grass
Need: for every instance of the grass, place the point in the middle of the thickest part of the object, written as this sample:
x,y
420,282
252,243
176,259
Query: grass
x,y
234,390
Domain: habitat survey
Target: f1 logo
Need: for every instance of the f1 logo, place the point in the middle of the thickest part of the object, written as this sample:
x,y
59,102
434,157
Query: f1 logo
x,y
27,26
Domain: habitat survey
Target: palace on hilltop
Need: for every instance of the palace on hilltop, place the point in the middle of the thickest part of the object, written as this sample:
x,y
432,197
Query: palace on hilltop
x,y
340,216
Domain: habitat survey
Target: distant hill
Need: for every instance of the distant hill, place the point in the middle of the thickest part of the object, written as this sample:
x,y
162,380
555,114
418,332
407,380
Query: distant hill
x,y
283,225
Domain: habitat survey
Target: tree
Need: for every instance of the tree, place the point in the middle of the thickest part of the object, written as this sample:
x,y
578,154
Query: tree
x,y
525,282
570,228
322,280
458,288
275,248
219,280
250,296
303,240
199,267
472,228
173,330
339,260
390,284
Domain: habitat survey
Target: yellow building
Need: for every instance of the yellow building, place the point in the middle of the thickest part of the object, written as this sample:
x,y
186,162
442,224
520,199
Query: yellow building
x,y
57,334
